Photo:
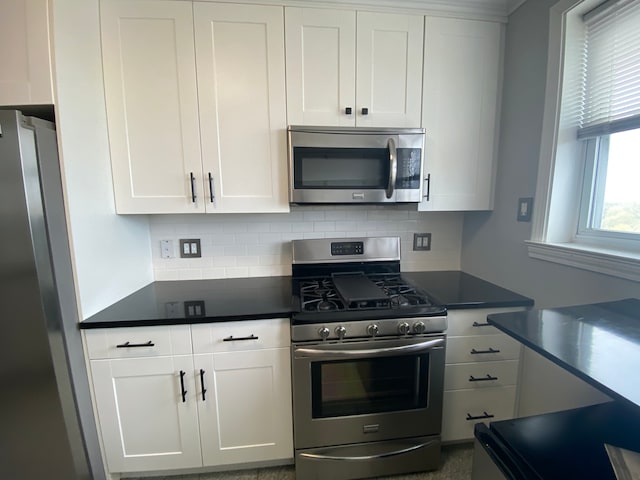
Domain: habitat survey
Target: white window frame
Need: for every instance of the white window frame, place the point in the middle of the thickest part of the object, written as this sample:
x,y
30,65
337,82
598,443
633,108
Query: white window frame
x,y
562,163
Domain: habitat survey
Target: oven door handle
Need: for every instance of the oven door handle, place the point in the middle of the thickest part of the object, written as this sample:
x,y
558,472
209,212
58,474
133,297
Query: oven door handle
x,y
393,453
412,348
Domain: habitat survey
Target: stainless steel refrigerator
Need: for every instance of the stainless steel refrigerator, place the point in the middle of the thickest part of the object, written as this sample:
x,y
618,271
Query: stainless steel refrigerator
x,y
47,428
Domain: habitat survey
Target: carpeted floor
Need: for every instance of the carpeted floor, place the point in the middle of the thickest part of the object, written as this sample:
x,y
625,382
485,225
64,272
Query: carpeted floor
x,y
456,465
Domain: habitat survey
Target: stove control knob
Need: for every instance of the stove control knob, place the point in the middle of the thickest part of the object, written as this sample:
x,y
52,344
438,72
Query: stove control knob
x,y
419,327
340,331
404,328
324,333
372,330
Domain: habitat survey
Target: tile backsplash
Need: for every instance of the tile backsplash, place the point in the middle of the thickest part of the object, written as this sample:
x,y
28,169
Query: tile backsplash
x,y
259,245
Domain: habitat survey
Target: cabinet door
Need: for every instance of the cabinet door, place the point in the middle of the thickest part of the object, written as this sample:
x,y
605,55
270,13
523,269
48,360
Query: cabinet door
x,y
321,66
144,421
389,69
152,105
241,86
25,76
460,111
245,415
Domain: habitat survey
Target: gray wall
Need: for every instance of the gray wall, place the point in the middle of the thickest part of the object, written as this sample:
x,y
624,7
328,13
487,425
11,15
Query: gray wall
x,y
493,242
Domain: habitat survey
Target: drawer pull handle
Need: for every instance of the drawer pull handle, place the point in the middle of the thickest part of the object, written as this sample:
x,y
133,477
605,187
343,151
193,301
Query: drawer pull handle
x,y
480,417
134,345
486,324
230,338
482,379
491,350
183,391
204,390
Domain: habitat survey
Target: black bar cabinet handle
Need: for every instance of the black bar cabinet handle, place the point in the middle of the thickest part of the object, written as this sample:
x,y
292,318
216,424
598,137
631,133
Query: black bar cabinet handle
x,y
134,345
184,392
211,195
480,417
238,339
428,182
491,350
204,390
482,379
476,324
348,111
193,187
365,111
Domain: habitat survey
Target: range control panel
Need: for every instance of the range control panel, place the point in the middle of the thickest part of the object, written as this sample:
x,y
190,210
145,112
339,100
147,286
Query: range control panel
x,y
347,248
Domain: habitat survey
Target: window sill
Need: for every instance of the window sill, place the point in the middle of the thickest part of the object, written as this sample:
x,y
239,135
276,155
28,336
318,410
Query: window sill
x,y
617,263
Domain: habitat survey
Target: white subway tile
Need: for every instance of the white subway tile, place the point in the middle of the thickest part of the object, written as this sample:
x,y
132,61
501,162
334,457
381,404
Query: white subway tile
x,y
237,272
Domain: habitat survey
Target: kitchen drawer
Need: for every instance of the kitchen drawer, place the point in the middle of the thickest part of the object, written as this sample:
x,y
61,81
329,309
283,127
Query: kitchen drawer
x,y
138,341
482,348
464,323
242,335
479,375
460,404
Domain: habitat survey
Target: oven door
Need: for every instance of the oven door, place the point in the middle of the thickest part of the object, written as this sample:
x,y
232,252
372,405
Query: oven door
x,y
365,391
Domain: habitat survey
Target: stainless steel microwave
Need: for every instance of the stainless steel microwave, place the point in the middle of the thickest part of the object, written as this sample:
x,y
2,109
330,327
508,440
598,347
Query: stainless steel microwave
x,y
355,165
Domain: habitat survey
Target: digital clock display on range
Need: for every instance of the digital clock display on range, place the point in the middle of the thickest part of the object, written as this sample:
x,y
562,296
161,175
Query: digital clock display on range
x,y
347,248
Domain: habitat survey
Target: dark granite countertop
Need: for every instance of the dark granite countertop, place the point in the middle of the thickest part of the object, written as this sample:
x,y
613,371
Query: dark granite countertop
x,y
204,301
457,290
599,343
198,301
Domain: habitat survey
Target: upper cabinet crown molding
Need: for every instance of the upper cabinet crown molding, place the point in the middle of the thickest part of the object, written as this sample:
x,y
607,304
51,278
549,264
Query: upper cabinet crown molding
x,y
25,76
492,10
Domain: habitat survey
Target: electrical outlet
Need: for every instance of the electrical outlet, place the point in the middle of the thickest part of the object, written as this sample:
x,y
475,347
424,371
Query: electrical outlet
x,y
422,241
190,248
166,249
194,308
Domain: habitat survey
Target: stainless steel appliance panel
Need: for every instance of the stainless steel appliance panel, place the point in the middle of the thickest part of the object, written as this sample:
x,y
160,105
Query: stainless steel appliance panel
x,y
46,414
370,249
366,398
368,460
355,165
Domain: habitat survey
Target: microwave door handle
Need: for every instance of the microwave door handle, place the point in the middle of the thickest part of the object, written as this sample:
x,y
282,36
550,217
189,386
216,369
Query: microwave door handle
x,y
393,166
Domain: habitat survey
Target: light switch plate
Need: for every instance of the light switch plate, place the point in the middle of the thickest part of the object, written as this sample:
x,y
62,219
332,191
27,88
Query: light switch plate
x,y
525,207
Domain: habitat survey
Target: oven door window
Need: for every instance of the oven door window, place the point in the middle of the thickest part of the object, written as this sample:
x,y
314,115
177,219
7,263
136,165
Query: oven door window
x,y
372,385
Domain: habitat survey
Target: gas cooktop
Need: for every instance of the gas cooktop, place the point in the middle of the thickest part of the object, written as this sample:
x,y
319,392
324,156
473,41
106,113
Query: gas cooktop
x,y
337,280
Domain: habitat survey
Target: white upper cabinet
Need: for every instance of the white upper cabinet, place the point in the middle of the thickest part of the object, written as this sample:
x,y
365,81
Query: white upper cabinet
x,y
241,87
152,106
462,77
25,76
353,68
159,109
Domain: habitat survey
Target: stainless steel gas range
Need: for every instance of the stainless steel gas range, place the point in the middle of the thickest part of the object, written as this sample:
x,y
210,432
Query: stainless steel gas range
x,y
368,360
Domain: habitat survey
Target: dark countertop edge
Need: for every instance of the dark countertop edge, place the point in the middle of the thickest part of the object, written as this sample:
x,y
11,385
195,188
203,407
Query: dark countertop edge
x,y
88,325
599,386
498,304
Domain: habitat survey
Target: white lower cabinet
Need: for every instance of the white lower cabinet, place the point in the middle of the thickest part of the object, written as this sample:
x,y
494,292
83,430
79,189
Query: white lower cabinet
x,y
145,423
192,396
481,373
246,413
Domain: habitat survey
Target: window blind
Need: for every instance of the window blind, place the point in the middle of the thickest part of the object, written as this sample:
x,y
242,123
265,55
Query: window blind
x,y
611,69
